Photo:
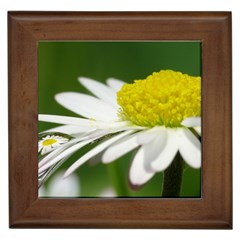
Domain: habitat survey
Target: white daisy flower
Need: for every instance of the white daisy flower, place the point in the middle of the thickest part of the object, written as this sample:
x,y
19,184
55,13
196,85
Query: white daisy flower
x,y
160,116
61,187
50,142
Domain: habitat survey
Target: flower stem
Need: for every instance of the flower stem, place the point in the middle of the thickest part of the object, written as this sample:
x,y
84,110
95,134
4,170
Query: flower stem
x,y
172,178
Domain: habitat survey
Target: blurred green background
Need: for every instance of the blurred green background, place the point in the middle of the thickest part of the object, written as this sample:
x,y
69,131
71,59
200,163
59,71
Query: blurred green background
x,y
61,63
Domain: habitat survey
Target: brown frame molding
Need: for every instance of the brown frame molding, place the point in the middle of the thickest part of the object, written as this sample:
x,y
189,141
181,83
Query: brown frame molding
x,y
213,210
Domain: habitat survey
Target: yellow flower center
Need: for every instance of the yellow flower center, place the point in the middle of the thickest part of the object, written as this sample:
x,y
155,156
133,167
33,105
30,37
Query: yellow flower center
x,y
163,98
48,142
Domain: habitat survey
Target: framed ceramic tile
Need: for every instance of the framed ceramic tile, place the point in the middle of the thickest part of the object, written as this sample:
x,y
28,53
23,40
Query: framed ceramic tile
x,y
120,119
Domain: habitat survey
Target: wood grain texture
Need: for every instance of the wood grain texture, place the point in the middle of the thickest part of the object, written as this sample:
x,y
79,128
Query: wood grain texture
x,y
213,210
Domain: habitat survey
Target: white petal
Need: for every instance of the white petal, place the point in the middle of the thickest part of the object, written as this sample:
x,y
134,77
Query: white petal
x,y
46,150
63,154
198,130
81,121
147,136
87,106
168,153
191,122
119,149
60,187
153,149
141,171
115,84
129,143
100,90
189,148
66,120
99,148
138,174
71,129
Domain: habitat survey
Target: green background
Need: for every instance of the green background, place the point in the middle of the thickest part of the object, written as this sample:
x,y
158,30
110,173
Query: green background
x,y
61,63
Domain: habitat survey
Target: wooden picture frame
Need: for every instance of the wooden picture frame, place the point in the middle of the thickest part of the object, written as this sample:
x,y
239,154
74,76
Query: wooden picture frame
x,y
213,210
